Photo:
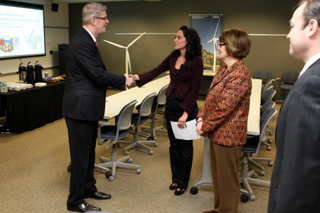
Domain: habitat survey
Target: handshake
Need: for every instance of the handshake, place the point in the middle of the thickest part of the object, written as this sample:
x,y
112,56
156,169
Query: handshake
x,y
130,79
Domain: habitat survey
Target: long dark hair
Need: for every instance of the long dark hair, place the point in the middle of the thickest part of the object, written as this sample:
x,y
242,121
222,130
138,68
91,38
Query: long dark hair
x,y
194,47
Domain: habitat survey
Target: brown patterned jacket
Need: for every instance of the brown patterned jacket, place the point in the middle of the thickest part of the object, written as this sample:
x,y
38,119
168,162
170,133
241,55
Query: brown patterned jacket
x,y
225,112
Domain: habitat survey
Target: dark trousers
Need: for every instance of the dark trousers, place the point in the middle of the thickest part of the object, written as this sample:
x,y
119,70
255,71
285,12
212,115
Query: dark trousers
x,y
181,151
82,143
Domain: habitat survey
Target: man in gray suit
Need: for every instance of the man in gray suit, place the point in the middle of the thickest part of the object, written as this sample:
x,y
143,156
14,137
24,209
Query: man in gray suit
x,y
84,102
295,182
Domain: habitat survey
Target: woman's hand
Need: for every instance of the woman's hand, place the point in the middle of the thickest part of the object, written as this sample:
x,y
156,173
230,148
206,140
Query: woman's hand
x,y
199,126
182,120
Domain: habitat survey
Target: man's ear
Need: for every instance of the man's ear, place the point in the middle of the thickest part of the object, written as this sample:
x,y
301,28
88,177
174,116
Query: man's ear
x,y
93,21
313,27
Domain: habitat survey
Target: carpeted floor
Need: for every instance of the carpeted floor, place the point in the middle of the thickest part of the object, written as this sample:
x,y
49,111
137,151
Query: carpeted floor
x,y
34,177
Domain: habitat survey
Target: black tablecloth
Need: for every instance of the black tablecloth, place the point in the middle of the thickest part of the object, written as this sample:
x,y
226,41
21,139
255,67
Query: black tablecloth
x,y
28,109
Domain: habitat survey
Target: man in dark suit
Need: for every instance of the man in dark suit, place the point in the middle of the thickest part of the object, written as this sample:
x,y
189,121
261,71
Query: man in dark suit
x,y
84,103
296,175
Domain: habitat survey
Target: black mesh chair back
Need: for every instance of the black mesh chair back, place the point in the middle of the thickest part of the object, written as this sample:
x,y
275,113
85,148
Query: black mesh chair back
x,y
254,144
267,95
265,75
290,77
267,105
121,127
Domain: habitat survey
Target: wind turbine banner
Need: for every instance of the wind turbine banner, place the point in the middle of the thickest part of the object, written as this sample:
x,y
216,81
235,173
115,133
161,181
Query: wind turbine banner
x,y
209,29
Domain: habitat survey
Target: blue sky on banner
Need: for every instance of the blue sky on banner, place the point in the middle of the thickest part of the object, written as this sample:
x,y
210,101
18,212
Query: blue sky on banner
x,y
208,27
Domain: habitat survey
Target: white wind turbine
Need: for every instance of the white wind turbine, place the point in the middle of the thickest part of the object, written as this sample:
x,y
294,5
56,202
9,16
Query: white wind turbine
x,y
214,41
128,64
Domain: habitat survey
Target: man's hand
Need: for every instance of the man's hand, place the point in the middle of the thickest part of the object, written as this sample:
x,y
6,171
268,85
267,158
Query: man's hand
x,y
129,80
135,77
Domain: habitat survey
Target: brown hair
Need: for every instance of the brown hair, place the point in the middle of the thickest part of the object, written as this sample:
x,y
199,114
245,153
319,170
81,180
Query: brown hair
x,y
311,11
237,42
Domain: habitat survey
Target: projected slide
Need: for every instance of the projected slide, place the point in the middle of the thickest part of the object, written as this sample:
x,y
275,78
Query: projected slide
x,y
21,32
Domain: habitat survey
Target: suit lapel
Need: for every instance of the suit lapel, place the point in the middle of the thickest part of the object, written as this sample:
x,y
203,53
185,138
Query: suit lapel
x,y
84,31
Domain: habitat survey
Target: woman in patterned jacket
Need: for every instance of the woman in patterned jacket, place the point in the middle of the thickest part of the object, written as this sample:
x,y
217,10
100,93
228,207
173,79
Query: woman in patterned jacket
x,y
223,118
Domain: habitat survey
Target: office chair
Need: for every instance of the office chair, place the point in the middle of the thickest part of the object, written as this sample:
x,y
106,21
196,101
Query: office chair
x,y
144,112
111,134
267,95
253,160
288,79
251,149
265,75
159,104
267,105
267,85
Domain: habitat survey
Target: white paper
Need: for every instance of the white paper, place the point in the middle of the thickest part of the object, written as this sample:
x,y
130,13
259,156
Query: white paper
x,y
188,133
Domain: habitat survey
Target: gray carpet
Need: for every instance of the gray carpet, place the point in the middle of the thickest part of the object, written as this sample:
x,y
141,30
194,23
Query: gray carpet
x,y
34,177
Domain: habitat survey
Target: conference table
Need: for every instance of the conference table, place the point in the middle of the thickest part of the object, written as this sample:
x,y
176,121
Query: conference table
x,y
116,102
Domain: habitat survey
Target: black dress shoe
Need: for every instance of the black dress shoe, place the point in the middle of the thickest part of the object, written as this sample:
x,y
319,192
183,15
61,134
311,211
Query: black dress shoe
x,y
83,207
98,195
179,191
173,187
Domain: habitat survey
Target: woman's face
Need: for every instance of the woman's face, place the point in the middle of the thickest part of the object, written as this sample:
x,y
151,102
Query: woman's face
x,y
222,51
180,42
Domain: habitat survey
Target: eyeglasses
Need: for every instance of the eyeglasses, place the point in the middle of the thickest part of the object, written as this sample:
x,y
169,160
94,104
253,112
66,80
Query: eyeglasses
x,y
218,44
103,18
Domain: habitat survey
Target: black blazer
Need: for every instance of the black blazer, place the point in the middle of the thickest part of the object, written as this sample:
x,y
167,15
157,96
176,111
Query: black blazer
x,y
296,174
86,80
185,83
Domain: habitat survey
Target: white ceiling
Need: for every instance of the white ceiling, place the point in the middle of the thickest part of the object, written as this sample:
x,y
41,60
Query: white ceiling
x,y
75,1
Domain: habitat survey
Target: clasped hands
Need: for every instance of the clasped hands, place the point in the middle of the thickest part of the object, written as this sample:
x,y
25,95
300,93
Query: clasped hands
x,y
199,127
130,79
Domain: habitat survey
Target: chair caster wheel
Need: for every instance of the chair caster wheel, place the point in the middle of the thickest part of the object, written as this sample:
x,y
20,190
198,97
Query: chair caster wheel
x,y
194,190
262,173
254,175
244,198
138,171
151,153
252,197
125,152
269,148
155,144
129,160
111,178
270,163
108,175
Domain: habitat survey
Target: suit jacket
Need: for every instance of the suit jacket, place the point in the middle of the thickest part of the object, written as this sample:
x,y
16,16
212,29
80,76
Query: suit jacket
x,y
86,80
185,82
295,182
225,112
